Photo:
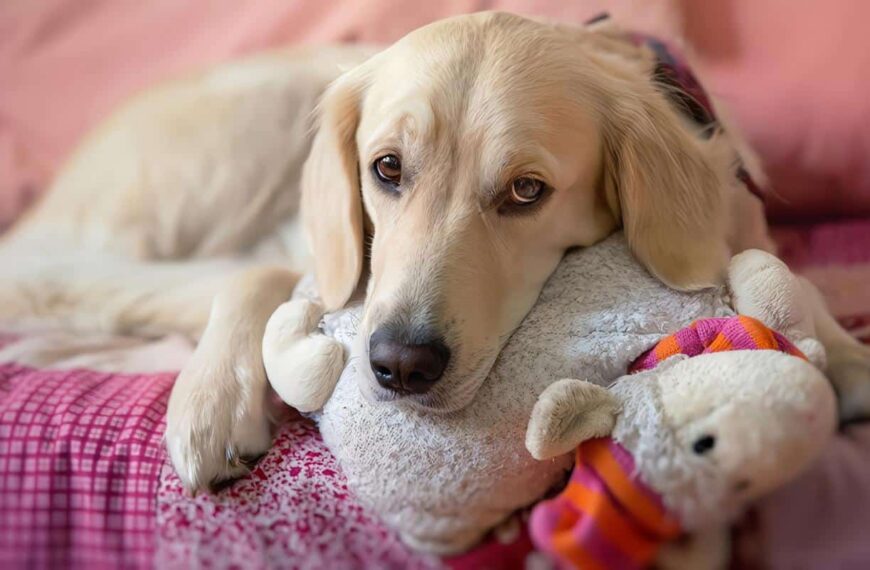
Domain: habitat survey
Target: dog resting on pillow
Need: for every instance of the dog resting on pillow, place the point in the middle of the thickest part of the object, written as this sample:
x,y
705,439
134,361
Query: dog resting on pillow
x,y
443,480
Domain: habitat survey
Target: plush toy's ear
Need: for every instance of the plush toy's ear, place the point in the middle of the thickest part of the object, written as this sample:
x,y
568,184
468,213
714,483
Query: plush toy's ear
x,y
568,413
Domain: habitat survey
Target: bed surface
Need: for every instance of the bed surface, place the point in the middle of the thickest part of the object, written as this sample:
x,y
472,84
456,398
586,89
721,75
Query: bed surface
x,y
84,479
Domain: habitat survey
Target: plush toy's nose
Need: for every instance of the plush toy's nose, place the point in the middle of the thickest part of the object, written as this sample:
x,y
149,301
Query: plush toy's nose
x,y
407,368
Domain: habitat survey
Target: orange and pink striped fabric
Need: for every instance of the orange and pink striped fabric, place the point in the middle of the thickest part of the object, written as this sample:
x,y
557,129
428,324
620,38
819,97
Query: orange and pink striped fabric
x,y
705,336
606,518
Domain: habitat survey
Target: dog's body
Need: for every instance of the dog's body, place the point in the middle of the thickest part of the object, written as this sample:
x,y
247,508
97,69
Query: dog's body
x,y
473,152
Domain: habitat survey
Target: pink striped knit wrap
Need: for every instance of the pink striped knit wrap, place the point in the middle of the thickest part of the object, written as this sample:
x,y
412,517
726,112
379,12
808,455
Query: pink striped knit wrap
x,y
706,336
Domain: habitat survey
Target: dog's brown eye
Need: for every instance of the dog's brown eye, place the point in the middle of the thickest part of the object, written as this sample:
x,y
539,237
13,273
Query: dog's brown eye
x,y
526,190
388,169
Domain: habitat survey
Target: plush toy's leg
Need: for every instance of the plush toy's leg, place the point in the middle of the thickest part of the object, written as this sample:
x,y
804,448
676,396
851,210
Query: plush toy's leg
x,y
763,287
302,365
710,550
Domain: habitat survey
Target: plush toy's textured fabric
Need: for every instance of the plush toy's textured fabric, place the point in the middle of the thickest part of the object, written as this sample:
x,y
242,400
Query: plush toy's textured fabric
x,y
443,480
716,335
607,517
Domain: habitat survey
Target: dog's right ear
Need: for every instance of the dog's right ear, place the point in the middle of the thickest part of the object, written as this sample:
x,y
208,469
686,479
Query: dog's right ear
x,y
331,207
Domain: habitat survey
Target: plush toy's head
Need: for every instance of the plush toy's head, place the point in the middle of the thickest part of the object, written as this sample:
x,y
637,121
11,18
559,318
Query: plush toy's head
x,y
707,433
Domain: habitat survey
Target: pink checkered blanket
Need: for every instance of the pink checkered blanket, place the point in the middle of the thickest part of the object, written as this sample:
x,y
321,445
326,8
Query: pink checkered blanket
x,y
80,458
85,482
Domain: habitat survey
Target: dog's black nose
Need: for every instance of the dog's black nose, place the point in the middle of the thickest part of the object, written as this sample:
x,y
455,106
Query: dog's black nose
x,y
406,368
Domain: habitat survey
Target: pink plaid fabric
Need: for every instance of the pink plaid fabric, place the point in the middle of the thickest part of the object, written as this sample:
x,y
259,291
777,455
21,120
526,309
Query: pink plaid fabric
x,y
85,483
80,455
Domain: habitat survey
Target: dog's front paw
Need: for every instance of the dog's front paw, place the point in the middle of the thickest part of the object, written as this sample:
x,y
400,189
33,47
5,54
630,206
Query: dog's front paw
x,y
849,372
217,424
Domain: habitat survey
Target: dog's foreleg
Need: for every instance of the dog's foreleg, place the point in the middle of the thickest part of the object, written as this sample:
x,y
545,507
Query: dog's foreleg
x,y
216,416
218,420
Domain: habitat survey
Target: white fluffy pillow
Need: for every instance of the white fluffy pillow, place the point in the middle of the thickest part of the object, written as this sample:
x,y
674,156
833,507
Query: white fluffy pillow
x,y
442,481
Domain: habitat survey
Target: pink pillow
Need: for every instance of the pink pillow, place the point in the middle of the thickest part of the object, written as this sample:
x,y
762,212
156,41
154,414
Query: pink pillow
x,y
796,76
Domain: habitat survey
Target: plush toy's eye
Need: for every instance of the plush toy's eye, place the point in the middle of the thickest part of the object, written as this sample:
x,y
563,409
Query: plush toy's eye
x,y
704,444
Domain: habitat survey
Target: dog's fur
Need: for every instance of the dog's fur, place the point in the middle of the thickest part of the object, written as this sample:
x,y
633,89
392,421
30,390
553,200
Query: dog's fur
x,y
179,213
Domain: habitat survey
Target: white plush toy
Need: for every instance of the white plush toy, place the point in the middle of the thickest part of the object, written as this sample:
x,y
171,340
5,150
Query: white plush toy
x,y
681,447
444,480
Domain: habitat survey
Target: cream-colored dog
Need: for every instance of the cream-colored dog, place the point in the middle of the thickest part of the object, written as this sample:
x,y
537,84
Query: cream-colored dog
x,y
447,176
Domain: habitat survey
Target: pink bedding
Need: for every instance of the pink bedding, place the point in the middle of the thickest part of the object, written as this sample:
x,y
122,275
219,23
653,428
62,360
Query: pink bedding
x,y
80,458
85,481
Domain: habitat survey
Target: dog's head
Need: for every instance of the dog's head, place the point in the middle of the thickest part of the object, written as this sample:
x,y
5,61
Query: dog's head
x,y
465,159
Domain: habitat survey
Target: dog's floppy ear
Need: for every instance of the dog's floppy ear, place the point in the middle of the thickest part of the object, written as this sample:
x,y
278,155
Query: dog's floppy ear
x,y
668,186
568,413
331,203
